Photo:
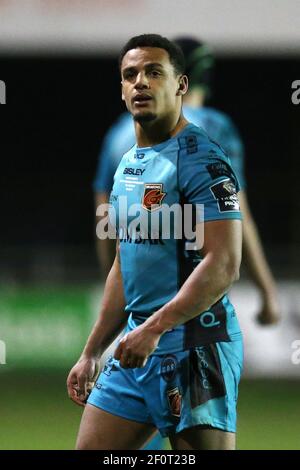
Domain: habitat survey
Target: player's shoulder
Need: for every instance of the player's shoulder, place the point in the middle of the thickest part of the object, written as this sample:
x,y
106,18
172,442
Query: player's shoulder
x,y
191,133
200,155
196,143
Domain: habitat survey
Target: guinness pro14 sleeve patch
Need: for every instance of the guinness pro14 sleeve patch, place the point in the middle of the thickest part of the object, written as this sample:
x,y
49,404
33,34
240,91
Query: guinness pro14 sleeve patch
x,y
225,194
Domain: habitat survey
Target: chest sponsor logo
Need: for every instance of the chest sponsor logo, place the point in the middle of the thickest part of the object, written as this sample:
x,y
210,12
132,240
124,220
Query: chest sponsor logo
x,y
226,196
133,171
153,196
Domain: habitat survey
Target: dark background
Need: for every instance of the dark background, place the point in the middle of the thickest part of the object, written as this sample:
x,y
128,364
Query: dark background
x,y
58,109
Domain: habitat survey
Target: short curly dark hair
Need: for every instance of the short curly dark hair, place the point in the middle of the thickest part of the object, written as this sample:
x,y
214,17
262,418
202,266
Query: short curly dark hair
x,y
155,40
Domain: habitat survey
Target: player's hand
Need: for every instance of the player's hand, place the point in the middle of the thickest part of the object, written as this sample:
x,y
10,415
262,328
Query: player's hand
x,y
135,347
81,379
270,311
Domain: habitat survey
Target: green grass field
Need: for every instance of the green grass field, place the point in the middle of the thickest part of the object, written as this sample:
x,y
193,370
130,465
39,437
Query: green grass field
x,y
36,413
46,326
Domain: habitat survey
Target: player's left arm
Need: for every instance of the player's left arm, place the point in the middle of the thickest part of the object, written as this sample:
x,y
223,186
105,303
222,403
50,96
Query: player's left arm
x,y
211,279
205,286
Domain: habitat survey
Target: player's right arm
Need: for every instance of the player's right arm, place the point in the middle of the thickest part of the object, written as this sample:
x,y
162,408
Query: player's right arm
x,y
110,323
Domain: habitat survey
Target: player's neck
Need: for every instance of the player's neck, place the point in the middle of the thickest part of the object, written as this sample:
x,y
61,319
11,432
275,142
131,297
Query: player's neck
x,y
149,134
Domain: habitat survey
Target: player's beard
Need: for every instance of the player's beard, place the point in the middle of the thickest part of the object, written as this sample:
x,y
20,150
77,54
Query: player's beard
x,y
148,117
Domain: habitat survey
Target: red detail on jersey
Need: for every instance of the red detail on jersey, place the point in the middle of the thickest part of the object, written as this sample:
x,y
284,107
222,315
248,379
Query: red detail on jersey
x,y
153,196
174,398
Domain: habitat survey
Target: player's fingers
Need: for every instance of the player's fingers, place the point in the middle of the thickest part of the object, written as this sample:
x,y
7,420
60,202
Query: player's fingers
x,y
266,320
73,394
118,352
133,362
124,363
127,361
90,386
71,384
141,363
77,400
122,340
82,386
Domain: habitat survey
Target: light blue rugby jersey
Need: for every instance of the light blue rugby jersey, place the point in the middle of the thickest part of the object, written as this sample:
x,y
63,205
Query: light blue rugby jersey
x,y
190,169
121,137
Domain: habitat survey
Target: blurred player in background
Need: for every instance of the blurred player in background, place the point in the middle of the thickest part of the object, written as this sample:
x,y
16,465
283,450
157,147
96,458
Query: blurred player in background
x,y
120,138
178,365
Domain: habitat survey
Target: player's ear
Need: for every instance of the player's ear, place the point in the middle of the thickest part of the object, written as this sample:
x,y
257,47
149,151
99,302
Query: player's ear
x,y
183,85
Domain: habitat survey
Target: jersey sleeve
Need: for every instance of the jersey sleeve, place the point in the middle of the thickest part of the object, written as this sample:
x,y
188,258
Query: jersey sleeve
x,y
205,176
